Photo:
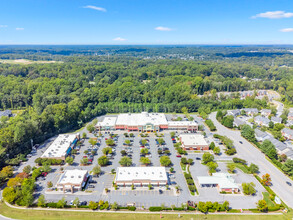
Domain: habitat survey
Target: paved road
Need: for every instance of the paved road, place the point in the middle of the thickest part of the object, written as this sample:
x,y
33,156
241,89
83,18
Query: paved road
x,y
280,108
248,152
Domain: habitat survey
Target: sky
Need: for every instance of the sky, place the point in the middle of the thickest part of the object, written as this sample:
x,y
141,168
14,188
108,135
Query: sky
x,y
146,22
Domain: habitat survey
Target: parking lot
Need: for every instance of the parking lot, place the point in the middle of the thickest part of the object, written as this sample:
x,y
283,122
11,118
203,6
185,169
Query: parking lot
x,y
140,196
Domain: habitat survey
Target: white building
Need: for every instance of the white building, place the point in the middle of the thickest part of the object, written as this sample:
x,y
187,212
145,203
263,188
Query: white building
x,y
72,180
61,146
193,142
141,176
108,123
144,122
223,181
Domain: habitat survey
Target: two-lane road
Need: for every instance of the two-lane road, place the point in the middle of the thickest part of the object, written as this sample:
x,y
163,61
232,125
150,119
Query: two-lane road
x,y
251,154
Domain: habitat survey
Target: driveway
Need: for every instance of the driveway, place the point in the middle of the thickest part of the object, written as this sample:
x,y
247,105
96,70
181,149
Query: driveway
x,y
253,155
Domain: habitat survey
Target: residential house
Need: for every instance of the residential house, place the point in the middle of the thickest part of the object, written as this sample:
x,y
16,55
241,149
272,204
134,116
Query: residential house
x,y
251,111
260,135
234,113
238,122
265,112
287,133
290,116
276,119
7,113
280,146
262,121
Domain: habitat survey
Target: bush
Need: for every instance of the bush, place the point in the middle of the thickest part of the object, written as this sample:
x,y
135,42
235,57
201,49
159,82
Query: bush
x,y
131,208
52,205
238,160
155,209
192,188
211,125
190,181
187,176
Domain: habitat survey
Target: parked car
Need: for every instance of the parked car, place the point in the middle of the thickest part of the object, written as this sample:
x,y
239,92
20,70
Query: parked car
x,y
71,202
91,186
178,155
290,184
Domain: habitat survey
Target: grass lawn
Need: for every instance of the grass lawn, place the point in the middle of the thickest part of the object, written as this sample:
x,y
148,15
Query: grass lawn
x,y
241,167
266,197
48,215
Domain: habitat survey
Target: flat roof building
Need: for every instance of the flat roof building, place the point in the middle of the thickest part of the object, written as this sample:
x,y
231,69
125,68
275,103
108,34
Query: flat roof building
x,y
223,181
144,122
141,176
61,146
72,180
107,124
193,142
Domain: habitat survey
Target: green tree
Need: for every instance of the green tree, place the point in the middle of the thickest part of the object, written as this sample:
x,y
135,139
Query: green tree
x,y
253,168
217,150
61,203
202,207
288,167
227,121
248,133
207,157
107,150
145,160
144,151
41,201
90,127
110,142
27,169
69,160
84,161
103,161
127,142
93,141
231,167
212,166
248,188
190,161
125,161
96,171
76,202
93,205
165,161
143,142
262,206
212,146
9,194
84,135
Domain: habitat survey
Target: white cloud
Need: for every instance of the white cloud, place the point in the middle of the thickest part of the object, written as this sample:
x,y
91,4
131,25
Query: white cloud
x,y
274,15
119,39
95,8
19,29
3,26
287,30
160,28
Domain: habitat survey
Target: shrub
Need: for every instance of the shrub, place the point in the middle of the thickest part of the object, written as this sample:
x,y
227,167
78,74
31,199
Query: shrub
x,y
131,208
52,205
192,188
190,181
238,160
211,125
155,209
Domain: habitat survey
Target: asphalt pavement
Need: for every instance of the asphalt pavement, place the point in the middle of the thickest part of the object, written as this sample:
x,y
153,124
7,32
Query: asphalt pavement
x,y
253,155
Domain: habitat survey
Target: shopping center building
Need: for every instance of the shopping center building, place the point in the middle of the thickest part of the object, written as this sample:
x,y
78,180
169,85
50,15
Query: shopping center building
x,y
144,122
141,176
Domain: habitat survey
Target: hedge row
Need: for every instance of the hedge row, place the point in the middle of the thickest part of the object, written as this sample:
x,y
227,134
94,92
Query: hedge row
x,y
211,125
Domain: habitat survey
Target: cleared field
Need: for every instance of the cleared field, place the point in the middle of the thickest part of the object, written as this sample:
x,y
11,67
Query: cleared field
x,y
46,215
26,62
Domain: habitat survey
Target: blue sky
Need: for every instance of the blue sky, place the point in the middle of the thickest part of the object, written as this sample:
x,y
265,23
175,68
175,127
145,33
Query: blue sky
x,y
146,22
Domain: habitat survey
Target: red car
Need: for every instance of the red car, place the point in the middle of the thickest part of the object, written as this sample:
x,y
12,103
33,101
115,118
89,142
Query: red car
x,y
84,156
178,155
44,174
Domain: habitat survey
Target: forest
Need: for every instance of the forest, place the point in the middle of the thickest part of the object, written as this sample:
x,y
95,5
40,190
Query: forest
x,y
56,97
